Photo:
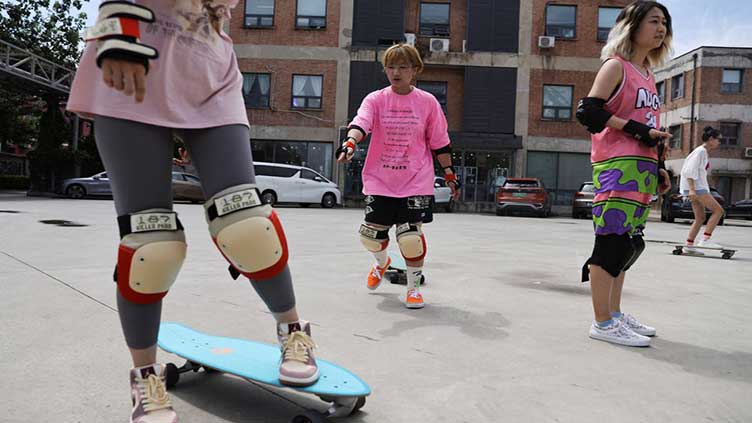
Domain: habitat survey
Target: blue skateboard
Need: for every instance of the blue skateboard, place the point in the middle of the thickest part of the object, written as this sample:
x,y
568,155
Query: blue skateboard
x,y
257,362
396,273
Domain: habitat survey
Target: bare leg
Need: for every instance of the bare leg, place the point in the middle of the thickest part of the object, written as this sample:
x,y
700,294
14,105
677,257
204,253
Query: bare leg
x,y
615,297
708,201
144,357
699,210
601,283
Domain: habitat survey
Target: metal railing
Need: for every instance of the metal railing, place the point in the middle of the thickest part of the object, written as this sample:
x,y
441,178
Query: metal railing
x,y
24,64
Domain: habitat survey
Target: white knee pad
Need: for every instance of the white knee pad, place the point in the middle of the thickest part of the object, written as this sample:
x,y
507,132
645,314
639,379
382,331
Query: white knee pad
x,y
152,250
247,232
411,241
373,239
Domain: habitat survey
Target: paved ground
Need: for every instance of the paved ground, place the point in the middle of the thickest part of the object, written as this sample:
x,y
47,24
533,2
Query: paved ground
x,y
504,337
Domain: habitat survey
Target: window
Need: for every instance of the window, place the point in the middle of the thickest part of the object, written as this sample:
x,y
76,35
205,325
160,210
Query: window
x,y
732,81
311,14
191,178
311,175
256,89
306,91
561,21
676,137
677,86
730,134
314,155
434,19
438,89
661,88
177,177
282,172
606,20
557,102
259,13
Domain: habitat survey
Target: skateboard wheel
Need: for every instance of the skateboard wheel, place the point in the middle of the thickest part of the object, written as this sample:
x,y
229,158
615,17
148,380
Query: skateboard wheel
x,y
172,375
727,256
358,405
677,252
301,419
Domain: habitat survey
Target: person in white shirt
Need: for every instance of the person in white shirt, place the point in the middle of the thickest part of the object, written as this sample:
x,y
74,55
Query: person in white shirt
x,y
694,185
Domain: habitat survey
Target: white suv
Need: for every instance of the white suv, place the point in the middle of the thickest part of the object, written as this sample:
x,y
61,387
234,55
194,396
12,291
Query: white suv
x,y
281,183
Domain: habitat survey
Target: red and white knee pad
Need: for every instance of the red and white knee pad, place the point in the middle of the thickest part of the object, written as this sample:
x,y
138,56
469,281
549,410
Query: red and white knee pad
x,y
247,232
152,250
373,238
411,241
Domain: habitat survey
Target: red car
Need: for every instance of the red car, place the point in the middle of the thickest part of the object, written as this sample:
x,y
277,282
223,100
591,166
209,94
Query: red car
x,y
521,195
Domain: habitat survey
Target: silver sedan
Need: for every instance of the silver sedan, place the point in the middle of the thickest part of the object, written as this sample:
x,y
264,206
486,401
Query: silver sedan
x,y
185,187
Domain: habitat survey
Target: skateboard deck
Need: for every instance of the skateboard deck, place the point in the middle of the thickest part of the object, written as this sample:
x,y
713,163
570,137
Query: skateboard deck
x,y
726,253
257,362
397,268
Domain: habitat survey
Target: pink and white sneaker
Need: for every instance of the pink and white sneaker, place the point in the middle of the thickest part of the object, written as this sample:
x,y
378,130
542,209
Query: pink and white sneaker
x,y
151,403
298,366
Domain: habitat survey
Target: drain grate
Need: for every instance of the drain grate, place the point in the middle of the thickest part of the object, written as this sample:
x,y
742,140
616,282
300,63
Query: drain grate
x,y
60,222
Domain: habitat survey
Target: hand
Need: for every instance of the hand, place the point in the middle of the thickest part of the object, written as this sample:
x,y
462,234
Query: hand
x,y
666,185
692,195
456,191
346,152
656,134
127,77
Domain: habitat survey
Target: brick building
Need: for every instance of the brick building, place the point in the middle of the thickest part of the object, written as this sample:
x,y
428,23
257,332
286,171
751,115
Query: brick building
x,y
509,103
711,86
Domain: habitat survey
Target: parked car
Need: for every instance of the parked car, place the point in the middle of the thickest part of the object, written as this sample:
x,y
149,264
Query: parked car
x,y
185,187
519,195
740,210
442,194
677,207
281,183
582,205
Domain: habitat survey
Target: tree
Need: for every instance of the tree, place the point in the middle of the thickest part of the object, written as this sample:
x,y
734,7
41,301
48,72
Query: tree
x,y
51,29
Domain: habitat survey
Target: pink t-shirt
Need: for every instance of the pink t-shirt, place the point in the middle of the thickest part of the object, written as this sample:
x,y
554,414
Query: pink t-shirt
x,y
404,129
195,82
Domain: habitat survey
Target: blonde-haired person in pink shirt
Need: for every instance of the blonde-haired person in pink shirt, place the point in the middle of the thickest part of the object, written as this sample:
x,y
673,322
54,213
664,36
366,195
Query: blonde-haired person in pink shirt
x,y
153,70
407,128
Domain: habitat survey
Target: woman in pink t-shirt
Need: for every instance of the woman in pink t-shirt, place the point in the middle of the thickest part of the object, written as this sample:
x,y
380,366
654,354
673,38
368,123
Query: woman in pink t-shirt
x,y
407,128
622,111
154,70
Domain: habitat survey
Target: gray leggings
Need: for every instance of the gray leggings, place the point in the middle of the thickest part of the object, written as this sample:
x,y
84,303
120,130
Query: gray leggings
x,y
138,161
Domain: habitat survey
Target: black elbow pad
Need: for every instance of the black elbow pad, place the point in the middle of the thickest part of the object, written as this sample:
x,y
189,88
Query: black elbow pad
x,y
592,115
447,149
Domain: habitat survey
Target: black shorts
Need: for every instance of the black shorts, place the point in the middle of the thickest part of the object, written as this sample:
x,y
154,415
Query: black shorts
x,y
390,211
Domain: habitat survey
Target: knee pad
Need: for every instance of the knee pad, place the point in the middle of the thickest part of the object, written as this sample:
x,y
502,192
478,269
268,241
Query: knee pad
x,y
611,252
247,232
373,239
151,252
639,246
411,241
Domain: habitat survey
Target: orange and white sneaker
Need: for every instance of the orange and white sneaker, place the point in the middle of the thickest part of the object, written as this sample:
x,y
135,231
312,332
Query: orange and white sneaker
x,y
414,299
377,274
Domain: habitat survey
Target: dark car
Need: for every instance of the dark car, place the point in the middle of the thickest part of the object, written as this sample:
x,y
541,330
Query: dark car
x,y
582,205
740,210
185,187
523,195
677,207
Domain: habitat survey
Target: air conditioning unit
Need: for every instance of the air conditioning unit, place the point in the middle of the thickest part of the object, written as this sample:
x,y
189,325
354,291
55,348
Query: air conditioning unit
x,y
546,41
748,153
439,45
410,39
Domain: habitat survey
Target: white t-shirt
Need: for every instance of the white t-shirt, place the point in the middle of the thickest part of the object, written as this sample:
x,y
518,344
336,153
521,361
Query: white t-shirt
x,y
695,167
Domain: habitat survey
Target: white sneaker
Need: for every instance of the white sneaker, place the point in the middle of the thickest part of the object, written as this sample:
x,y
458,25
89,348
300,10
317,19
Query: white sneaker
x,y
636,326
709,244
618,333
690,249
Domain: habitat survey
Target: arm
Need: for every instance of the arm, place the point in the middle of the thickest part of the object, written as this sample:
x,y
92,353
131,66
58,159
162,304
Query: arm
x,y
445,160
358,129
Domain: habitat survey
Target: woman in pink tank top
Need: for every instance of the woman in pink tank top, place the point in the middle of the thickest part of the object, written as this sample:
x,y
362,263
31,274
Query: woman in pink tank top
x,y
622,111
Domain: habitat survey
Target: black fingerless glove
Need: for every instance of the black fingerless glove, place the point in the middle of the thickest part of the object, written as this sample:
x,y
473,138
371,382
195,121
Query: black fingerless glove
x,y
640,132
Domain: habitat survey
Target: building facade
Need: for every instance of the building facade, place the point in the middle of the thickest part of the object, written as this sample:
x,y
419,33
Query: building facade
x,y
509,99
711,86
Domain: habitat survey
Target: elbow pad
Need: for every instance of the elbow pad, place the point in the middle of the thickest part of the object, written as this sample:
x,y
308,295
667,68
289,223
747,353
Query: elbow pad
x,y
591,114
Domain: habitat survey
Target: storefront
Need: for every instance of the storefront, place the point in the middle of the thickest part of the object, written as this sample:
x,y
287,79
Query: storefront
x,y
315,155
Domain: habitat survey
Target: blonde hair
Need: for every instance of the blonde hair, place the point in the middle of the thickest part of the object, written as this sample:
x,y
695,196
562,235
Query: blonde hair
x,y
620,38
403,53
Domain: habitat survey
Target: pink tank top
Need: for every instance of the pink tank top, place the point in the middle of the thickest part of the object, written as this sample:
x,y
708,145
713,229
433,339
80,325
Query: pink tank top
x,y
636,99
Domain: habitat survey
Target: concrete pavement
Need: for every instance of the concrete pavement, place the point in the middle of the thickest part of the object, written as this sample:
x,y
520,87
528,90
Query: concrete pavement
x,y
503,338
